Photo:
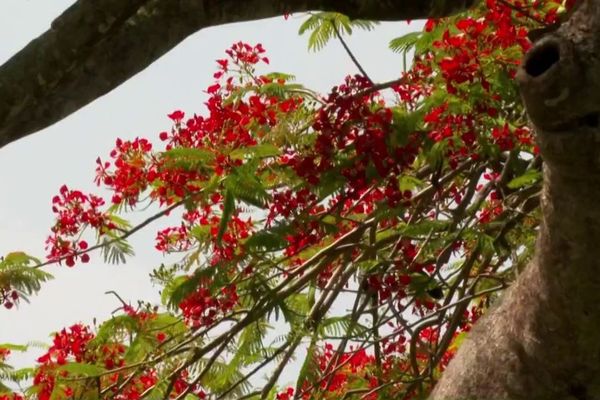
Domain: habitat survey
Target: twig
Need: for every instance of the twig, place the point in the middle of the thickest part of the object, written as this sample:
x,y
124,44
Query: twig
x,y
524,12
117,239
350,54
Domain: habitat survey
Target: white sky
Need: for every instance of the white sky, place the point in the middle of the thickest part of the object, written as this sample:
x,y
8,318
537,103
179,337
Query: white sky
x,y
33,168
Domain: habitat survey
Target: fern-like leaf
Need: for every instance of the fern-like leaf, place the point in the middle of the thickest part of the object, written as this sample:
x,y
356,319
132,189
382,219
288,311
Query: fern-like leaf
x,y
405,43
18,271
325,24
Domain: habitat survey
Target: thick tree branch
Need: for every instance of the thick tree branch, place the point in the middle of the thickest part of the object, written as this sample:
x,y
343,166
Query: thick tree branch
x,y
96,45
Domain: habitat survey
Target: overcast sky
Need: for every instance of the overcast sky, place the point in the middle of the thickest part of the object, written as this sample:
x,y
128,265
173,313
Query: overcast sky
x,y
32,169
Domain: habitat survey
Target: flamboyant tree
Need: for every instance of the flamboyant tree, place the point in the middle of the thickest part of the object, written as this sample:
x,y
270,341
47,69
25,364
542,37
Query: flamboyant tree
x,y
415,202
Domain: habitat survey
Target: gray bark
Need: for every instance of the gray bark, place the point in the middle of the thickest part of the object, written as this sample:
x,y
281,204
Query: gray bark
x,y
543,340
96,45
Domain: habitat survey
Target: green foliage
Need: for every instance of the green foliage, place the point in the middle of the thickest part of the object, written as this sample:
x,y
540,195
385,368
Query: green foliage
x,y
267,240
19,272
116,327
405,43
326,25
310,368
15,375
114,249
80,369
424,228
178,288
220,377
191,155
264,150
228,209
243,184
407,182
339,326
530,177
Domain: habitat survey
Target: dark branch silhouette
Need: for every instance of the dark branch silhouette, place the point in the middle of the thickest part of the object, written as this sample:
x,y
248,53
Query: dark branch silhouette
x,y
96,45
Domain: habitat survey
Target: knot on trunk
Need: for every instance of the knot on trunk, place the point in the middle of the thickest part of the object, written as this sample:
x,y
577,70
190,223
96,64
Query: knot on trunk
x,y
560,86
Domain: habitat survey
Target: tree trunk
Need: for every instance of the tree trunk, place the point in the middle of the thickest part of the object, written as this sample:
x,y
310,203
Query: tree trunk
x,y
543,340
96,45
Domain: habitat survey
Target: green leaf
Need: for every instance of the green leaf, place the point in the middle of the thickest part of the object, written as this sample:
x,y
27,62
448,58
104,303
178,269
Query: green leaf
x,y
426,40
189,154
19,375
119,222
82,369
310,368
259,151
58,392
179,289
14,347
244,185
405,43
249,350
191,159
487,244
425,227
436,154
458,339
331,182
271,239
324,25
367,265
228,209
405,123
115,250
335,326
16,273
20,258
139,348
5,389
280,90
422,283
201,233
265,241
280,75
529,177
166,321
408,182
114,326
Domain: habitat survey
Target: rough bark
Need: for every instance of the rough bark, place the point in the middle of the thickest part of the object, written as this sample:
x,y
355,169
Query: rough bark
x,y
96,45
542,341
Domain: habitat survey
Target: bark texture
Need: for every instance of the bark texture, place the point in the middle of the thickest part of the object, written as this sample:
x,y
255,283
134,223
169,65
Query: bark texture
x,y
543,340
96,45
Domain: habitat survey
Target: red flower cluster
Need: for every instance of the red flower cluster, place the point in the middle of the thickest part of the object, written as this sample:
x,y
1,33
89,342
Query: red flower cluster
x,y
138,385
205,220
354,123
288,394
74,212
467,61
243,53
130,177
68,344
201,308
12,396
342,370
112,355
8,298
4,353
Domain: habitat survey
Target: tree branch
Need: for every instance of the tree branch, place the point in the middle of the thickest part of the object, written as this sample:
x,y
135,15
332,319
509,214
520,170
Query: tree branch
x,y
96,45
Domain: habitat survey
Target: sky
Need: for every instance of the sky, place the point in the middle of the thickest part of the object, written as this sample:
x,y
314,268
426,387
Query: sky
x,y
33,169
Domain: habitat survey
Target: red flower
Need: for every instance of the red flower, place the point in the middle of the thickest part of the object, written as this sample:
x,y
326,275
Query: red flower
x,y
176,116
